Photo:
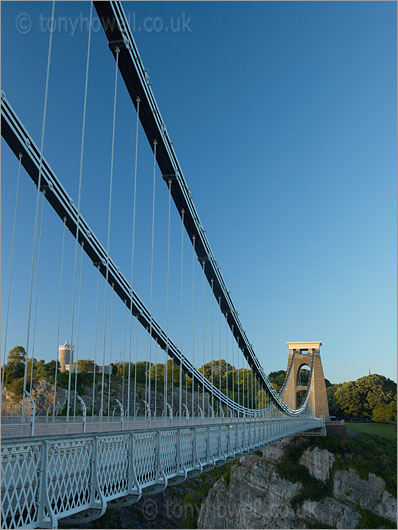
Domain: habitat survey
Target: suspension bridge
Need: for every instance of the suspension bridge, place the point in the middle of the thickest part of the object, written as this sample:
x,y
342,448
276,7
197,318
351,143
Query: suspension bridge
x,y
125,438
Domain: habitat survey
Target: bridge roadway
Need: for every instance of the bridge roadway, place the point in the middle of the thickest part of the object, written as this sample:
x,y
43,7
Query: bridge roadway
x,y
15,427
75,476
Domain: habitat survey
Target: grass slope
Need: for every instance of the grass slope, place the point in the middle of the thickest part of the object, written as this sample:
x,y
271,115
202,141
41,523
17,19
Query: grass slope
x,y
385,430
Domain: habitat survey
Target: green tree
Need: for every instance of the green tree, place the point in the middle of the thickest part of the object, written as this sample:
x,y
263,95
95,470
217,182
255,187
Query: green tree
x,y
15,367
85,365
14,370
140,367
39,369
157,372
277,379
358,398
261,399
50,370
172,366
385,413
17,354
16,386
334,407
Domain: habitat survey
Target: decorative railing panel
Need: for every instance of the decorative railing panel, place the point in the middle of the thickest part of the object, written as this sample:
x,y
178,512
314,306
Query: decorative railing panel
x,y
187,448
168,452
214,441
144,457
113,465
20,472
223,440
201,443
69,475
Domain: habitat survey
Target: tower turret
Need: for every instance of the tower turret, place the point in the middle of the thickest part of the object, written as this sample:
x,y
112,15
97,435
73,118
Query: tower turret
x,y
65,356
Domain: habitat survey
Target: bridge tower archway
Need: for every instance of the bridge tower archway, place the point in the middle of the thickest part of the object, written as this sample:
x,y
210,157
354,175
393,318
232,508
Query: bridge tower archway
x,y
300,355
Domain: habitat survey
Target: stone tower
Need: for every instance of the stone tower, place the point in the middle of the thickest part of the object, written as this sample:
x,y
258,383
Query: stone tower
x,y
318,400
65,351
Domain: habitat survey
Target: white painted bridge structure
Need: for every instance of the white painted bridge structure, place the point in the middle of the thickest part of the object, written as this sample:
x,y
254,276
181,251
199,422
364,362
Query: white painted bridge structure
x,y
75,477
124,438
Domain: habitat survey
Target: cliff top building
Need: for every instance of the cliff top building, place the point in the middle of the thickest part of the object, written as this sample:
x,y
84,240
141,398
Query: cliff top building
x,y
65,353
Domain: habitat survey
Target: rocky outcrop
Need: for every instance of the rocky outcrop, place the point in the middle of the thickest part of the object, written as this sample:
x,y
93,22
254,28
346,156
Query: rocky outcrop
x,y
369,494
274,453
319,462
256,496
329,512
42,393
387,507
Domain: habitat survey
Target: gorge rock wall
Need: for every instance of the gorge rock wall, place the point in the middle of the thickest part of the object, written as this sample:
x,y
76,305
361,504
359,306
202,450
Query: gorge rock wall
x,y
42,393
257,496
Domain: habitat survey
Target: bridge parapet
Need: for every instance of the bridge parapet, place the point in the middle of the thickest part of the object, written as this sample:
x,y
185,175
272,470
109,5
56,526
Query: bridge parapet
x,y
45,479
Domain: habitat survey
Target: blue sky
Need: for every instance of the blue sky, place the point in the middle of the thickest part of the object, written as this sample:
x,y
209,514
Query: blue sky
x,y
283,117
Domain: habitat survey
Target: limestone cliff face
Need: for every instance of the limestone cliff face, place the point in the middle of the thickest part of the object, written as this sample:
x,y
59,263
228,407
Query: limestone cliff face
x,y
43,394
369,494
257,497
319,462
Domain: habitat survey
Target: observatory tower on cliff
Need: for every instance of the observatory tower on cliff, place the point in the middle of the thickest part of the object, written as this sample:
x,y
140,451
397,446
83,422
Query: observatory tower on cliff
x,y
65,356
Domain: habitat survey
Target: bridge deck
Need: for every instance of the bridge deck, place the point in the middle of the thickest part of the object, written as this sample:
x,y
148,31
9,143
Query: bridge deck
x,y
48,478
15,427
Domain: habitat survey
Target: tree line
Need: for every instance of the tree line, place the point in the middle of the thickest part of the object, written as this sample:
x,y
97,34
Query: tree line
x,y
238,384
373,397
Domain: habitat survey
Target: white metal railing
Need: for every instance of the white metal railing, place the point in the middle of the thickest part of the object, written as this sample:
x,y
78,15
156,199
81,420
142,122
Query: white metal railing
x,y
45,479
